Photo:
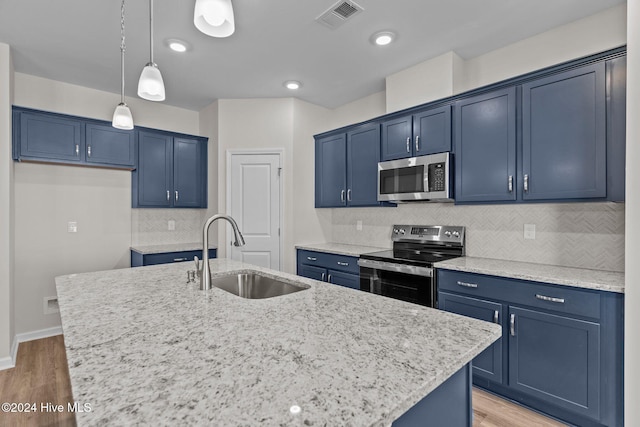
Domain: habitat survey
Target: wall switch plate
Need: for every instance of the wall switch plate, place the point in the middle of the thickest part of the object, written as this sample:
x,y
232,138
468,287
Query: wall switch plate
x,y
530,231
51,305
359,225
72,227
171,225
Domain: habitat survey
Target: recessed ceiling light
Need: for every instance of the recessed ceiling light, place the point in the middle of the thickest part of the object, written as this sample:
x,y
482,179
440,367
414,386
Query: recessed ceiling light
x,y
383,38
177,45
292,84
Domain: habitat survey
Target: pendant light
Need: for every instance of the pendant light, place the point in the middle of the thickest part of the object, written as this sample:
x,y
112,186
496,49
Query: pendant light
x,y
151,85
122,118
214,17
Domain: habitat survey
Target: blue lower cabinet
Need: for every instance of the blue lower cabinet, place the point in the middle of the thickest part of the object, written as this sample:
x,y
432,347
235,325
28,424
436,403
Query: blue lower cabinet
x,y
337,269
561,351
487,364
139,260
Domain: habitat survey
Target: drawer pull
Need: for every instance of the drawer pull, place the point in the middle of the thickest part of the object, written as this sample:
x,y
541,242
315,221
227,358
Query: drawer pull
x,y
323,276
179,259
467,285
310,258
329,278
496,318
512,325
550,299
346,264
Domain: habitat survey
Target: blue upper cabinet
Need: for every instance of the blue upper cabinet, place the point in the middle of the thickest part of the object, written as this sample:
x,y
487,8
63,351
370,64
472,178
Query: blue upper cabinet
x,y
49,137
41,136
485,147
425,132
106,145
172,171
331,171
363,155
564,135
347,168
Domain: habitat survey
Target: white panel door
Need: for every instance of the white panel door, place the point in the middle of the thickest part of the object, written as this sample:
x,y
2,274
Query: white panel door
x,y
255,205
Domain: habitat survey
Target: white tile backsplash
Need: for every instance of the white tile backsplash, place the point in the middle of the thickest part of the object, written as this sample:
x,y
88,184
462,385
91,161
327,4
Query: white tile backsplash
x,y
150,226
586,235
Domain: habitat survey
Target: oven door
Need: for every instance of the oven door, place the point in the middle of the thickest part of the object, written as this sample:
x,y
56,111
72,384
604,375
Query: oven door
x,y
404,282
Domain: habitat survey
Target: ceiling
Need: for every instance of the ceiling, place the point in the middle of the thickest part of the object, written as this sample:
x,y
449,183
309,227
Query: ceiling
x,y
78,41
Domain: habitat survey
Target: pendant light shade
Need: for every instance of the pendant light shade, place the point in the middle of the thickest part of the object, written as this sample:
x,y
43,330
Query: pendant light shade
x,y
214,17
122,118
151,85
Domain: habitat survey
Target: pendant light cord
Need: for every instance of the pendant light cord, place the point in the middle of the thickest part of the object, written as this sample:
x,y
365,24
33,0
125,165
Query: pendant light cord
x,y
151,31
122,48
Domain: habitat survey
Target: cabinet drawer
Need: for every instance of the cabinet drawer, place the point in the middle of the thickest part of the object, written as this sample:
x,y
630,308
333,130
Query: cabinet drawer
x,y
138,260
558,298
345,263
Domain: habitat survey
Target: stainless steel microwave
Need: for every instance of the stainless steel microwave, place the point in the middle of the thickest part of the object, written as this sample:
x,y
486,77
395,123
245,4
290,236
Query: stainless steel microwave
x,y
423,178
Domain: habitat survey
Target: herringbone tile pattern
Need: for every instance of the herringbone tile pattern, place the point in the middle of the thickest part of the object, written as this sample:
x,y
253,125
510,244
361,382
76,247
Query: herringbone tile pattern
x,y
149,226
585,235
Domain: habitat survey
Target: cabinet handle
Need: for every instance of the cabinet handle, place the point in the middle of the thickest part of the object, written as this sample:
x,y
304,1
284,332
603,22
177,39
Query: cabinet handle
x,y
168,195
467,285
526,182
179,259
550,299
510,183
310,258
77,149
89,150
417,143
512,325
348,195
329,278
342,196
496,318
176,195
408,144
343,263
323,275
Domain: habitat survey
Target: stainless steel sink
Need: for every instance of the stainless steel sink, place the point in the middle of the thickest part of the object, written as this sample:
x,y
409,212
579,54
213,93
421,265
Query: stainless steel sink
x,y
255,286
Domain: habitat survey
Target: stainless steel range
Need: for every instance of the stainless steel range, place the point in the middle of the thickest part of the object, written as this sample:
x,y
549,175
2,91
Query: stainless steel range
x,y
406,271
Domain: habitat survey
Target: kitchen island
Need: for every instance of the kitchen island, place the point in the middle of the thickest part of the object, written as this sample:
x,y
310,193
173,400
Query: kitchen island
x,y
145,346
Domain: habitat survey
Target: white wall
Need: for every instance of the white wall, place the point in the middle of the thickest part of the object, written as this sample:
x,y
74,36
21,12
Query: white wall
x,y
209,128
632,268
99,200
6,209
357,111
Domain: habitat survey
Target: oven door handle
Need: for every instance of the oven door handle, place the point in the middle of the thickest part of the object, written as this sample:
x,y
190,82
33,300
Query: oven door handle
x,y
398,268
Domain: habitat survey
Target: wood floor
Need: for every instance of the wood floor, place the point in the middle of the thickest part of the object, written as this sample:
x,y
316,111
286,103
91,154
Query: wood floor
x,y
41,375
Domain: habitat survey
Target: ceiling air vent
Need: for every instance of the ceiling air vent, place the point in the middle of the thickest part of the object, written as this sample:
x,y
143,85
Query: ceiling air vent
x,y
337,14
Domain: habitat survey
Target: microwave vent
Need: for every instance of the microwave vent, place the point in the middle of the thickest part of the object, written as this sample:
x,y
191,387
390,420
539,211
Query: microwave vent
x,y
337,14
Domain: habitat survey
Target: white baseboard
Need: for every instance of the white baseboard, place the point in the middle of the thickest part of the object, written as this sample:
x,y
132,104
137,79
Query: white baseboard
x,y
10,362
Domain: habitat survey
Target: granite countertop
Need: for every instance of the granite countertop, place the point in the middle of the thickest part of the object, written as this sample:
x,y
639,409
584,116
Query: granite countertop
x,y
145,347
578,277
169,247
340,248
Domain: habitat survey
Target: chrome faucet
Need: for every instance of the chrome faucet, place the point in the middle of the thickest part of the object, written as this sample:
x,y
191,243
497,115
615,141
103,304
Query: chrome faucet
x,y
205,273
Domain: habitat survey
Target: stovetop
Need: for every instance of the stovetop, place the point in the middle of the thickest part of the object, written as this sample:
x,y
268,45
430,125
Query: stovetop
x,y
425,260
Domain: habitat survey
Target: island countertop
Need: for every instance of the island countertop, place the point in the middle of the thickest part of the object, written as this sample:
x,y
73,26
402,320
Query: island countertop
x,y
145,346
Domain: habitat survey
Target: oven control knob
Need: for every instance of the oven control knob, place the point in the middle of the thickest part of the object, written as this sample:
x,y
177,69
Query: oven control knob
x,y
456,234
395,231
447,233
402,231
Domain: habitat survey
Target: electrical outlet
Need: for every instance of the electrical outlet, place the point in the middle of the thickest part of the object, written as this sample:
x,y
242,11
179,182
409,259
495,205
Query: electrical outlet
x,y
171,225
530,231
359,225
72,227
51,305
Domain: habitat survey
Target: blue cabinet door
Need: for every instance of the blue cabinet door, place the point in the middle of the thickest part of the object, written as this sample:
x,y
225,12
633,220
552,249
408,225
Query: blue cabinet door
x,y
343,279
432,131
331,171
51,137
555,359
396,139
106,145
487,364
189,173
485,135
564,135
363,155
153,180
312,272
